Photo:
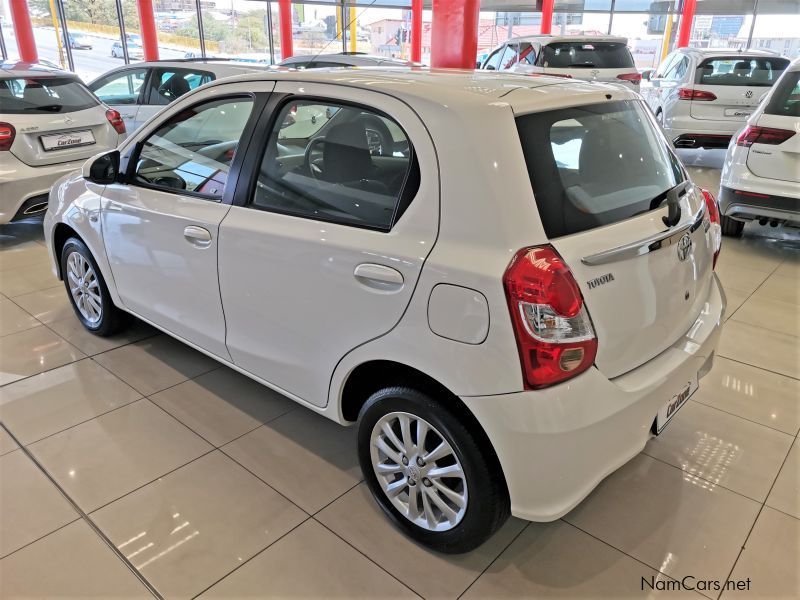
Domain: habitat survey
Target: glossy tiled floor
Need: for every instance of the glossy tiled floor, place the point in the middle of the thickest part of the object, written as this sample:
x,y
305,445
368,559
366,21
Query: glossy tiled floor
x,y
209,484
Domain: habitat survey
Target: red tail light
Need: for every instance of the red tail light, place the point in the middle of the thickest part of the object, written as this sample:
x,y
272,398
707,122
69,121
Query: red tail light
x,y
699,95
634,77
716,223
763,135
7,135
116,121
554,334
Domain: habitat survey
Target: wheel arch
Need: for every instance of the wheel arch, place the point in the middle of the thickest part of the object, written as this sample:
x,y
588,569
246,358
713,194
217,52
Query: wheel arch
x,y
371,376
61,233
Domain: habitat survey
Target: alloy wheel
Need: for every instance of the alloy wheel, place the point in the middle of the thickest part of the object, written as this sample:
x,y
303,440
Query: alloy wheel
x,y
84,288
419,471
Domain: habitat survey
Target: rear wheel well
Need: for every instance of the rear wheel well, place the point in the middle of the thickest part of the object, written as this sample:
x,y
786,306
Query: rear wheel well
x,y
61,234
369,377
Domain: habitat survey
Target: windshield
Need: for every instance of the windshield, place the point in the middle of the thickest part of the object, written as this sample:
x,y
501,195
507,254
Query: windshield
x,y
785,99
44,95
587,55
741,71
575,157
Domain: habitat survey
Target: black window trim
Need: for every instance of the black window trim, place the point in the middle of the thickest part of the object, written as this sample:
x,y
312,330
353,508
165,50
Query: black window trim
x,y
129,160
248,180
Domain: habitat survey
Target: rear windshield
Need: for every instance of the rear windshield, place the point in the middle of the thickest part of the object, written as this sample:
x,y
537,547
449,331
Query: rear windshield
x,y
44,95
785,98
587,55
595,165
741,70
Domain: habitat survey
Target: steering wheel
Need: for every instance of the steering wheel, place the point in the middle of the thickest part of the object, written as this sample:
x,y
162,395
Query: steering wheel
x,y
374,124
312,144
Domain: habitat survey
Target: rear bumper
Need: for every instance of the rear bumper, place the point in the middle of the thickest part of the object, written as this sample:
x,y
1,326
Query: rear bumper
x,y
556,445
685,132
749,204
21,184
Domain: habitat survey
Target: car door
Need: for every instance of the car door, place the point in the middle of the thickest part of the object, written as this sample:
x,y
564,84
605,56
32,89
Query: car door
x,y
123,91
167,85
160,224
322,252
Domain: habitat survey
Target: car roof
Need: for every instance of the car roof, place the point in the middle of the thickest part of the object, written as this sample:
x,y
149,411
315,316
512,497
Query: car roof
x,y
448,88
15,68
569,38
348,58
223,67
714,52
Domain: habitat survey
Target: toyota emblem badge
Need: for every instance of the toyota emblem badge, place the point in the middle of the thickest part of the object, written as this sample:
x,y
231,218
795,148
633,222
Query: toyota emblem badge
x,y
684,247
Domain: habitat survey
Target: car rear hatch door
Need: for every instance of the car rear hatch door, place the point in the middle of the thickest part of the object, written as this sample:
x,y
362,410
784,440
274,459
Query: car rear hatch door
x,y
600,174
644,284
730,88
48,139
593,74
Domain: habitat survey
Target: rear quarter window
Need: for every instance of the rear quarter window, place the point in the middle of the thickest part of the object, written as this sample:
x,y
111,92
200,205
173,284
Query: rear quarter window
x,y
595,165
741,71
43,95
785,100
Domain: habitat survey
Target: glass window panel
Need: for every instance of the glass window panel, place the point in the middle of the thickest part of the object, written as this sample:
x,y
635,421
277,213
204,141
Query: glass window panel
x,y
778,33
645,33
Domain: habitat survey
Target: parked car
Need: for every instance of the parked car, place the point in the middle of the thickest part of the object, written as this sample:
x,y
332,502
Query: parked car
x,y
50,123
135,51
701,97
587,57
761,174
343,59
502,337
79,41
139,91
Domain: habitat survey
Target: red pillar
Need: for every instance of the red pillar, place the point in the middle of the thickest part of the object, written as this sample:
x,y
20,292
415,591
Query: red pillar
x,y
454,33
416,30
23,31
147,25
687,17
285,12
547,15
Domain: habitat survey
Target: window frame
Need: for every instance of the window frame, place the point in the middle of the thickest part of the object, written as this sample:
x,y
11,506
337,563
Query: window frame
x,y
129,171
245,195
108,77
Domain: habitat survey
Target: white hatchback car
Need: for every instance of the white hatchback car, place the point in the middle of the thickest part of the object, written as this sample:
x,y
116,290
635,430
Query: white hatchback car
x,y
761,173
451,260
701,97
586,57
49,125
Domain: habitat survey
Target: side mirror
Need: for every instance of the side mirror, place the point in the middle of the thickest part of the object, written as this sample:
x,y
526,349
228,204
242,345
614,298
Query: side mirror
x,y
647,74
478,65
491,68
102,169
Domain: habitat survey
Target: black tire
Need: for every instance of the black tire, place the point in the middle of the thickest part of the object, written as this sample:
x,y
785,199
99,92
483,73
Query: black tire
x,y
732,227
487,505
111,319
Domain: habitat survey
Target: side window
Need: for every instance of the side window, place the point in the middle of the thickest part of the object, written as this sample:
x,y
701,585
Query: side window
x,y
678,70
170,85
665,65
527,55
351,166
193,151
510,56
493,62
120,88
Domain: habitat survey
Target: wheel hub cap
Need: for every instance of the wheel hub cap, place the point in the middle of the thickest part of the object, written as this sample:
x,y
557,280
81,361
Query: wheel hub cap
x,y
419,471
84,288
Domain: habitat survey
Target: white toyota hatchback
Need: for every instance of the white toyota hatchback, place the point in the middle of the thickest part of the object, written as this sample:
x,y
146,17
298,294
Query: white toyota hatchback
x,y
49,125
701,97
761,173
453,261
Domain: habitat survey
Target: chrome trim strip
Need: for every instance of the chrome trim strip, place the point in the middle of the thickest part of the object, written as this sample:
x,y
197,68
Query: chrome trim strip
x,y
650,244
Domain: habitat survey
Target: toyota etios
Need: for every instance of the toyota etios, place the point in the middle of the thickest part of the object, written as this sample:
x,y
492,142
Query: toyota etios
x,y
506,282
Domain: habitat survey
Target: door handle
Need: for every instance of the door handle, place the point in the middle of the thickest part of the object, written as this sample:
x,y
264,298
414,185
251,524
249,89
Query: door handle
x,y
379,277
197,236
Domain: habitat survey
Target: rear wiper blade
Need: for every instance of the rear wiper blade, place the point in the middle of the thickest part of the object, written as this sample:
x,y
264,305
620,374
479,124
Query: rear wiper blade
x,y
672,197
587,65
47,107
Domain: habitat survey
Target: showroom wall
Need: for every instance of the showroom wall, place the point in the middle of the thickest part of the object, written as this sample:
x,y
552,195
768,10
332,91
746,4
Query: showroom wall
x,y
247,29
